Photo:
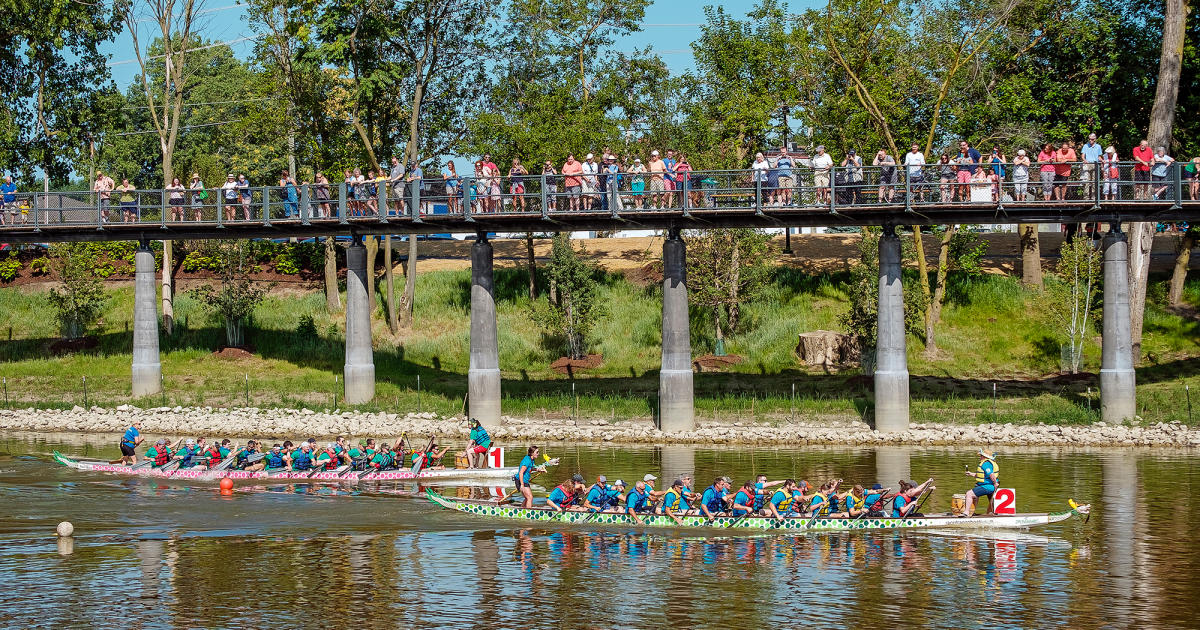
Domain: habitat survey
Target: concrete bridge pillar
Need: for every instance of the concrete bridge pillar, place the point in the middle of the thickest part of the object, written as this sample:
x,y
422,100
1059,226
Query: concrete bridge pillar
x,y
359,371
675,379
147,370
483,374
1118,395
891,358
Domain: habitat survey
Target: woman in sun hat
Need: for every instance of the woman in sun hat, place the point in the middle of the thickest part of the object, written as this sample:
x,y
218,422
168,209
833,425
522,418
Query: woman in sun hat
x,y
986,476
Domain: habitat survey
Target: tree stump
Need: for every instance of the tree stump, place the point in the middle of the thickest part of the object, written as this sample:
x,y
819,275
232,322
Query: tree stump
x,y
826,348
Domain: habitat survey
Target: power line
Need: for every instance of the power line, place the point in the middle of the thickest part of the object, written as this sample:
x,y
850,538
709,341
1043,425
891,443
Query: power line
x,y
139,133
246,100
205,47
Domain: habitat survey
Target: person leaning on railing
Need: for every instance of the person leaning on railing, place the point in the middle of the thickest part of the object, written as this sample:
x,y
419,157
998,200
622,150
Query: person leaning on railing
x,y
8,199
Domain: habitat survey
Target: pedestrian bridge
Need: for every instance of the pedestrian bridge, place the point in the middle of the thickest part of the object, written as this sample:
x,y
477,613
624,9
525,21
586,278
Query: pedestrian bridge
x,y
701,200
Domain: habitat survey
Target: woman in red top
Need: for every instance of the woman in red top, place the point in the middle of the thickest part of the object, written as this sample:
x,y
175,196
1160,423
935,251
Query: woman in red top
x,y
1062,170
1046,170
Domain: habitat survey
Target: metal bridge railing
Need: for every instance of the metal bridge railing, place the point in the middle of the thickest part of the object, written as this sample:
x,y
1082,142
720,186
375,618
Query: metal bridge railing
x,y
632,191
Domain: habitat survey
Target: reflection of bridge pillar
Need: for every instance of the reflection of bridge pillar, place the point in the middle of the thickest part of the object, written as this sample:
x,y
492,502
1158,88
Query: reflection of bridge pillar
x,y
147,370
483,375
891,358
486,554
676,460
1118,396
150,557
891,465
360,361
1119,492
676,412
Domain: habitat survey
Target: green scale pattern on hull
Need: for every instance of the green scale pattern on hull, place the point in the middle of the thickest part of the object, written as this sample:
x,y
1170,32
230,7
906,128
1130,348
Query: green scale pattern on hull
x,y
748,523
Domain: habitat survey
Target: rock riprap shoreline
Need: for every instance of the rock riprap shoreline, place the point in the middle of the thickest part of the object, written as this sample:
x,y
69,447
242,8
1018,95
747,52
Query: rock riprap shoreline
x,y
301,423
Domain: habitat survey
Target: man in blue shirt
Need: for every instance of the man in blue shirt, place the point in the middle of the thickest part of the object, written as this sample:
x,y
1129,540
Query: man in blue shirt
x,y
874,499
713,502
743,499
129,442
638,500
1090,153
781,500
599,496
9,191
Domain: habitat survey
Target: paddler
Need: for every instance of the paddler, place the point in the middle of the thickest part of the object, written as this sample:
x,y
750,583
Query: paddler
x,y
819,503
525,472
160,453
342,449
477,445
874,499
564,496
218,452
328,458
760,487
986,476
242,461
383,458
428,459
714,501
780,503
275,459
743,499
673,502
302,458
601,496
855,503
189,455
360,456
130,441
905,503
637,500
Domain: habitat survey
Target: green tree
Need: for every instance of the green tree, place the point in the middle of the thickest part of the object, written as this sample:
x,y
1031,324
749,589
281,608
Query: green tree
x,y
237,296
80,299
1071,299
573,308
862,319
726,269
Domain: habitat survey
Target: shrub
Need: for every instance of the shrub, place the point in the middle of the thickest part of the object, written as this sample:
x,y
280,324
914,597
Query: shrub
x,y
39,266
237,296
79,301
9,267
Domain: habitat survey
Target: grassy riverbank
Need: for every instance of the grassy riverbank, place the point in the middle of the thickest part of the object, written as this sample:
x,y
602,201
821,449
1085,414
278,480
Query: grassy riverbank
x,y
993,334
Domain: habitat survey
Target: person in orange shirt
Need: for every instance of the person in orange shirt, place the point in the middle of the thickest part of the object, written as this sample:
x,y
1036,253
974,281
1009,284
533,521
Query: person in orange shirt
x,y
1063,159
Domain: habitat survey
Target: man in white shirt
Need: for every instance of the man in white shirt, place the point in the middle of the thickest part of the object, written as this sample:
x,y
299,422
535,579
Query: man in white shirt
x,y
915,161
822,165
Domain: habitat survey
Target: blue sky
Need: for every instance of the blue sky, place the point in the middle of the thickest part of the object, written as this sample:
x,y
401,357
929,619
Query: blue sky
x,y
669,28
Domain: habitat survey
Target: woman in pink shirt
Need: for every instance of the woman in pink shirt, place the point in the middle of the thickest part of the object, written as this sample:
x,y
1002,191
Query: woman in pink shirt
x,y
1046,159
1062,170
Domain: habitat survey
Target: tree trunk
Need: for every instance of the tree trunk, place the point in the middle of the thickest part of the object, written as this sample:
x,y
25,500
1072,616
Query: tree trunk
x,y
333,298
532,264
923,273
390,285
168,289
1031,255
372,243
1162,119
720,345
1183,257
410,284
934,315
733,308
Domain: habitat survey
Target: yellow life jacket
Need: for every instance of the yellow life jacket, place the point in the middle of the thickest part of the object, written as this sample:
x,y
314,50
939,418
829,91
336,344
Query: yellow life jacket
x,y
982,478
672,499
786,503
823,506
854,503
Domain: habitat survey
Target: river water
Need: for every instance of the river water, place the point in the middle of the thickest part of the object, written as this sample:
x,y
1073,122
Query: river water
x,y
156,554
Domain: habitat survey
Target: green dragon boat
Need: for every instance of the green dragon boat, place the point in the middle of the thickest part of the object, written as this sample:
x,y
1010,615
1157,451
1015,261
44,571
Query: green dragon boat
x,y
750,523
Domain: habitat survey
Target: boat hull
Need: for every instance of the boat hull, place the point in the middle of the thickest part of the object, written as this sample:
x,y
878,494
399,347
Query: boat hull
x,y
547,515
350,477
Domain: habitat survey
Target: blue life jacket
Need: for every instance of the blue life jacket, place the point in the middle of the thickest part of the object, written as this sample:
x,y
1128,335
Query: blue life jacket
x,y
717,502
301,460
604,499
639,503
275,460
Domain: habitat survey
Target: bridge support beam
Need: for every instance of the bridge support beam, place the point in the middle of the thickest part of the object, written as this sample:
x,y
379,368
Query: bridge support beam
x,y
359,370
676,412
483,374
891,358
147,369
1118,394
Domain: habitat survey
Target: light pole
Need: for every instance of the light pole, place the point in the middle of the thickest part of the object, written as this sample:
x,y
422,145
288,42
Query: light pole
x,y
787,229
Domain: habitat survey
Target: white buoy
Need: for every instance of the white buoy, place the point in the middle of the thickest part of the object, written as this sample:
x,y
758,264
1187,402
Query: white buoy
x,y
65,529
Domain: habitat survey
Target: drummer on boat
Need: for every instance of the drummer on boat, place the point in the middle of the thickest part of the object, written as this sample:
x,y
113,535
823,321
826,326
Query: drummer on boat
x,y
130,441
477,445
986,476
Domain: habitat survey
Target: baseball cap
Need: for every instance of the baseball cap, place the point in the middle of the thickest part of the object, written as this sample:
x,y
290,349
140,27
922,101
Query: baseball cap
x,y
602,479
332,445
619,482
577,478
649,477
590,156
655,152
877,487
190,441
